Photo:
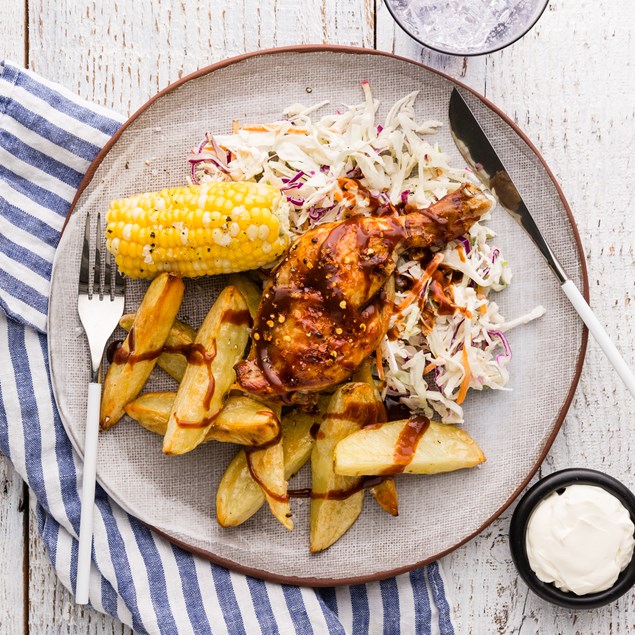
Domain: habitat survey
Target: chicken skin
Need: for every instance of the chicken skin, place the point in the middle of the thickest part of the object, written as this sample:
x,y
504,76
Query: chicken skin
x,y
327,304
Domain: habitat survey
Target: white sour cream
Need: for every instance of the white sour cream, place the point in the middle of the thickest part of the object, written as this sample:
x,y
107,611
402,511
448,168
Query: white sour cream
x,y
580,540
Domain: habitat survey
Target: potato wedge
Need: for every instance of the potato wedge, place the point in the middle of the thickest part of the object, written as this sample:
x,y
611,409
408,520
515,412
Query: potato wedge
x,y
134,360
249,291
386,492
219,345
335,500
266,466
238,496
181,334
376,450
242,420
386,496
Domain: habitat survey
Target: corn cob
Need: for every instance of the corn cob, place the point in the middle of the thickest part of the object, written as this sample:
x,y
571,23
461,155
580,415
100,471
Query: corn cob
x,y
219,227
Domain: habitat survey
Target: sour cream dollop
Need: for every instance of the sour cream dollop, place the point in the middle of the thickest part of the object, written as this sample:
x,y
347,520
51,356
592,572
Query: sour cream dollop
x,y
580,540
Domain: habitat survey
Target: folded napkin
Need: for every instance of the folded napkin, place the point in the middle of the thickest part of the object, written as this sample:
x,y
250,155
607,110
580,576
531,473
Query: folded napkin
x,y
48,137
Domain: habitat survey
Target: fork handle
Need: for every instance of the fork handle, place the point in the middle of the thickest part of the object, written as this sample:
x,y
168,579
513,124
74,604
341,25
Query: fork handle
x,y
600,335
88,494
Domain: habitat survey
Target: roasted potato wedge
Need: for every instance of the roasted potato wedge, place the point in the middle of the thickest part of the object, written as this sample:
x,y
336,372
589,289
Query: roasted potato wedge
x,y
219,345
242,420
249,291
238,496
134,360
376,450
386,492
386,496
335,502
266,465
181,334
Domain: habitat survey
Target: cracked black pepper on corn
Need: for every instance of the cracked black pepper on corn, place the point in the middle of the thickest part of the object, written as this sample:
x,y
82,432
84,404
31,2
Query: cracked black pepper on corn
x,y
199,230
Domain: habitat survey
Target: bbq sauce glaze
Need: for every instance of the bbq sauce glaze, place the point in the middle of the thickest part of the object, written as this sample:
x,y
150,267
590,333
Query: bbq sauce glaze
x,y
196,354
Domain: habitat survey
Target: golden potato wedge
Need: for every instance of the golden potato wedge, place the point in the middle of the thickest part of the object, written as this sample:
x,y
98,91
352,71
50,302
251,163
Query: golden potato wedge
x,y
171,360
242,420
219,345
384,493
386,496
249,290
238,496
266,466
134,360
337,501
382,449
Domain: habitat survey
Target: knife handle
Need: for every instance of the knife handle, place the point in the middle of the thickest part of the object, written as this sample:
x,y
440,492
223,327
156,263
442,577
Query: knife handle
x,y
600,335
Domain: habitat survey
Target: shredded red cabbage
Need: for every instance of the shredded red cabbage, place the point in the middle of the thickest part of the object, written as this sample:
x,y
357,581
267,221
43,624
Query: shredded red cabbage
x,y
508,351
295,201
437,375
193,172
404,196
466,244
456,330
298,175
495,253
315,213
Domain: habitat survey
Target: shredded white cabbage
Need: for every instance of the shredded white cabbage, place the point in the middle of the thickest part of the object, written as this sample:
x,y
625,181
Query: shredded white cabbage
x,y
427,368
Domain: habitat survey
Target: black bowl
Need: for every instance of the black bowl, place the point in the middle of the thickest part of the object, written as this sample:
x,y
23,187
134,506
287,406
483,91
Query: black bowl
x,y
518,530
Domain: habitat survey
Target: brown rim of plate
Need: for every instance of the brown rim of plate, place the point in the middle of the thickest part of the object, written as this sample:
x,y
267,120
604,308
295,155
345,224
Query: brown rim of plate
x,y
313,48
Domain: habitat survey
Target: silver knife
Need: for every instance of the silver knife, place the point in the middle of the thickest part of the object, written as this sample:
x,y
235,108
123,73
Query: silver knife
x,y
477,150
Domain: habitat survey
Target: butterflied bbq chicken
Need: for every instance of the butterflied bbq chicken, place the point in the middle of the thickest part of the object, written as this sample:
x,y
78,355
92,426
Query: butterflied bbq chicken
x,y
327,304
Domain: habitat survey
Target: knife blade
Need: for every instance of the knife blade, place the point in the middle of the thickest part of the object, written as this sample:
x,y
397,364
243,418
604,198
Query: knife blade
x,y
477,150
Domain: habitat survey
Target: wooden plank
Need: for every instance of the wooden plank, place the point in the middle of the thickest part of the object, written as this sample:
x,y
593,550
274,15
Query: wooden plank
x,y
121,53
13,493
52,608
12,523
13,31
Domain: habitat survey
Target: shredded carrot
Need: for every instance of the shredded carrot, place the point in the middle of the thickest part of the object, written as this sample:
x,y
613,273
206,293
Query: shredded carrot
x,y
461,252
380,364
419,286
483,309
346,183
235,126
465,384
429,368
272,128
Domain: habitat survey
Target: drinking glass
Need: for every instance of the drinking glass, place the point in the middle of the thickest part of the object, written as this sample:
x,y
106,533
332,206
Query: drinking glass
x,y
466,27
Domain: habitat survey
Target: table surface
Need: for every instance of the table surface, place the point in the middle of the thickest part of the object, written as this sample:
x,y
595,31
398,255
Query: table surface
x,y
570,86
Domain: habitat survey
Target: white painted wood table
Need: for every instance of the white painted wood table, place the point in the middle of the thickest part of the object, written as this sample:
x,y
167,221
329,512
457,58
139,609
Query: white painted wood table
x,y
570,84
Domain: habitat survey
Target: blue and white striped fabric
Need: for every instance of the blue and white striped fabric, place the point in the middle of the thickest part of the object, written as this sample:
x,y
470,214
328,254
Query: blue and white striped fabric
x,y
48,137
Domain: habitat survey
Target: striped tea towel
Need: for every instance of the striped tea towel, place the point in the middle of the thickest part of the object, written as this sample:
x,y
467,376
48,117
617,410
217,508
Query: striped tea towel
x,y
48,137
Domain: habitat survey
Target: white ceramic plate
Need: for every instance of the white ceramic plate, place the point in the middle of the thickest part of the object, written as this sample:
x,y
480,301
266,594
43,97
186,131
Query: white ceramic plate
x,y
175,495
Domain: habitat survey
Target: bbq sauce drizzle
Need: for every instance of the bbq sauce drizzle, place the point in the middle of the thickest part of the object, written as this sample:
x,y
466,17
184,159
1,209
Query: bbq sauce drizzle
x,y
407,443
196,354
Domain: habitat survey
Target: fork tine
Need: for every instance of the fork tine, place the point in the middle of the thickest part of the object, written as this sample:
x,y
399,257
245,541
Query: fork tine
x,y
97,273
84,270
119,280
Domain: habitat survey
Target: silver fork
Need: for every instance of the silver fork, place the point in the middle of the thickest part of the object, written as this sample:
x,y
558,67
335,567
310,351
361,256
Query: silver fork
x,y
100,303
